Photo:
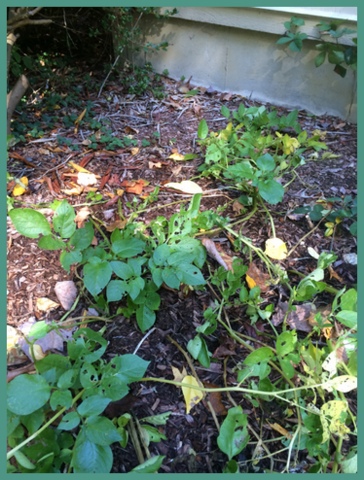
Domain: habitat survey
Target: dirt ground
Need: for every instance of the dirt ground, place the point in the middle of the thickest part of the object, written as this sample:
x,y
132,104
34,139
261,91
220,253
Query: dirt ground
x,y
32,273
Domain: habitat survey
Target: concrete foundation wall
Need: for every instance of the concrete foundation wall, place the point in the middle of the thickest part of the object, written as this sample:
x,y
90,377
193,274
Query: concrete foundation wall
x,y
234,49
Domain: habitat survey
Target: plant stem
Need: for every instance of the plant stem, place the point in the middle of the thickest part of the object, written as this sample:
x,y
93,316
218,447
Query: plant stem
x,y
11,453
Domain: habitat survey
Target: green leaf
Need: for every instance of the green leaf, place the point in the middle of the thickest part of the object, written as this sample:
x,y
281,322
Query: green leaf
x,y
101,431
113,387
63,220
233,436
336,57
225,112
61,398
151,434
283,40
23,460
320,59
91,458
240,172
271,191
135,286
69,258
128,247
49,242
160,419
93,405
128,368
286,342
145,317
266,163
29,222
122,269
190,275
348,318
151,465
97,274
199,351
69,421
115,290
88,375
27,393
263,354
82,238
349,300
203,129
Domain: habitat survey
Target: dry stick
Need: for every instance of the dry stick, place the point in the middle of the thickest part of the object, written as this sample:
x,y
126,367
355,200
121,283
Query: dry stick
x,y
307,235
135,441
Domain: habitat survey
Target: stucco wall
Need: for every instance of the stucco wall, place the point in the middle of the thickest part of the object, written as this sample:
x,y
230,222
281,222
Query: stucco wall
x,y
234,49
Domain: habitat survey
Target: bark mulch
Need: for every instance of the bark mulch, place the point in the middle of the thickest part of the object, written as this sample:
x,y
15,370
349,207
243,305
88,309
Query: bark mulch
x,y
169,125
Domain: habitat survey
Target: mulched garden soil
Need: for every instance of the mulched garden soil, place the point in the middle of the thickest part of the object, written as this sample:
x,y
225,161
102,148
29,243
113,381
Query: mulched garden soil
x,y
32,273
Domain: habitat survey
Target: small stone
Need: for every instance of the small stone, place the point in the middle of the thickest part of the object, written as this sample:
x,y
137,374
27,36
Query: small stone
x,y
66,292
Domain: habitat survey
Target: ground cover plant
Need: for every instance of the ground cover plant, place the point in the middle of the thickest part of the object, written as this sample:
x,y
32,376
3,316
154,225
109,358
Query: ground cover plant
x,y
209,320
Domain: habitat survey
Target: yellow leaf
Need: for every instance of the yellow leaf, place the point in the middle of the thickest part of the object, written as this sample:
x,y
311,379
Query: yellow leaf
x,y
20,187
278,428
177,156
45,304
275,248
186,186
251,283
78,168
192,396
177,375
80,117
135,150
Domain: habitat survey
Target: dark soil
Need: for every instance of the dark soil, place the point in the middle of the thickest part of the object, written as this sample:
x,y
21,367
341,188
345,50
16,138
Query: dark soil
x,y
32,273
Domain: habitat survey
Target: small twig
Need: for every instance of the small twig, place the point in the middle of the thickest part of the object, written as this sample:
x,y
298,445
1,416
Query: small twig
x,y
142,340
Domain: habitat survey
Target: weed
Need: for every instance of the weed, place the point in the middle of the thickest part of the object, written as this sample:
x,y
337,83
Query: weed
x,y
61,425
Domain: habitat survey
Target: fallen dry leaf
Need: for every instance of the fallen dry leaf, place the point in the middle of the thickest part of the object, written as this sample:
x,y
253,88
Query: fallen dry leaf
x,y
53,340
152,165
134,186
86,179
254,277
177,156
302,318
78,168
221,258
177,375
120,224
215,399
46,304
75,190
186,186
66,292
278,428
82,215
